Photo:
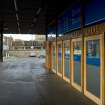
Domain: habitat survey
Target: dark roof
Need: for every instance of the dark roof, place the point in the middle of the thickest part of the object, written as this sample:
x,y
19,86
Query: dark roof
x,y
30,16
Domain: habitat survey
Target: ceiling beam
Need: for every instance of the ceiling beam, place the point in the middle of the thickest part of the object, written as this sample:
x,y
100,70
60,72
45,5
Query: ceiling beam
x,y
17,17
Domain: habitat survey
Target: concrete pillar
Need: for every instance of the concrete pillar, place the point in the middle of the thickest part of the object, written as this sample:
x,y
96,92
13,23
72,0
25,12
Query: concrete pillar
x,y
1,41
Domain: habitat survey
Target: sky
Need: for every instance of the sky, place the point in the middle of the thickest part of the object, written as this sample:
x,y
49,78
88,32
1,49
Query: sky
x,y
26,37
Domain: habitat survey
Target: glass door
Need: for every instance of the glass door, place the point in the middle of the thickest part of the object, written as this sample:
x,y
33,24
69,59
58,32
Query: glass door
x,y
77,63
93,68
66,63
59,63
54,58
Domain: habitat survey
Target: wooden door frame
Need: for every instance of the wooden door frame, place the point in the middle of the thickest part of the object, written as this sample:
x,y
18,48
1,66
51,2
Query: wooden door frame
x,y
53,45
99,101
64,77
72,65
60,74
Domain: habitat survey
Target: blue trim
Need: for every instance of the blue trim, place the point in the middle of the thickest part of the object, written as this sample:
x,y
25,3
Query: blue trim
x,y
89,61
93,61
77,58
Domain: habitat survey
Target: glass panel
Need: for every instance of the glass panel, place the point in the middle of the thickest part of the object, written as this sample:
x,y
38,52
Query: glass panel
x,y
77,62
67,60
93,67
59,59
54,57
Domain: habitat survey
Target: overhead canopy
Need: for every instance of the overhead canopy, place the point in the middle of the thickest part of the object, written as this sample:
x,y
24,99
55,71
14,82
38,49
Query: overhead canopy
x,y
30,16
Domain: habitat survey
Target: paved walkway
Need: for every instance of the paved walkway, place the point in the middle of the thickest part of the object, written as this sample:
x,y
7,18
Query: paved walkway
x,y
26,82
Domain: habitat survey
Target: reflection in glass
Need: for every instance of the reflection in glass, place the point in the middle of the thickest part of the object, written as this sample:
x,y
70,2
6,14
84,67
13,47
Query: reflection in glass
x,y
67,60
59,59
93,67
77,62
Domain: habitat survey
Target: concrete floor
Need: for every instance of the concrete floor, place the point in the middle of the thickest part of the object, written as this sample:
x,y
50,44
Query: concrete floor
x,y
25,82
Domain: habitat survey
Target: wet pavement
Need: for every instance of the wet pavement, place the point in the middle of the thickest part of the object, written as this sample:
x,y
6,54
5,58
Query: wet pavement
x,y
24,81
